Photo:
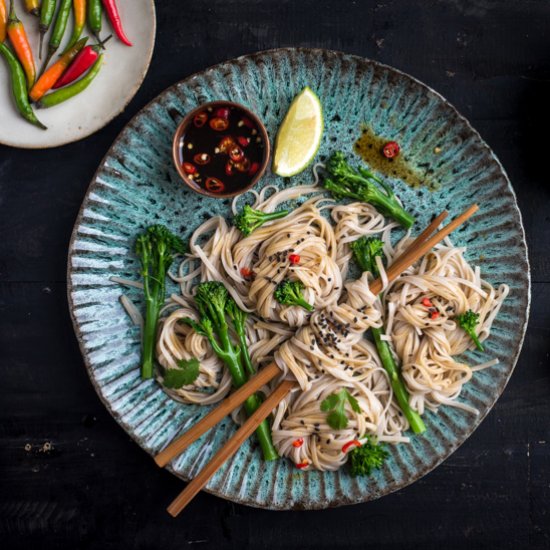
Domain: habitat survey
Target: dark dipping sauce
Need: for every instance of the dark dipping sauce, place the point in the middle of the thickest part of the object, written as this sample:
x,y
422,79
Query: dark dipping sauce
x,y
222,149
369,147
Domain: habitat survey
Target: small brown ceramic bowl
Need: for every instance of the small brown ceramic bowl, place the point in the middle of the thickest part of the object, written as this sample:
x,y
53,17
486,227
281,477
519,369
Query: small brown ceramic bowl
x,y
221,149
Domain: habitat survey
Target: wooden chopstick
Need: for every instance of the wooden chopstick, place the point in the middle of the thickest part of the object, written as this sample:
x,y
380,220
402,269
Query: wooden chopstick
x,y
213,417
230,448
409,257
420,246
434,224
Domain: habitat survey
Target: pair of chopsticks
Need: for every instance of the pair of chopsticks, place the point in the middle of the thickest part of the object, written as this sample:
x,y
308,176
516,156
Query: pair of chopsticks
x,y
420,246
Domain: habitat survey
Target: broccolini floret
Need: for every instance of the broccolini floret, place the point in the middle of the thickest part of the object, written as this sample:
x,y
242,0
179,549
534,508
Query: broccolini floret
x,y
289,293
468,322
215,304
156,249
360,184
365,250
249,219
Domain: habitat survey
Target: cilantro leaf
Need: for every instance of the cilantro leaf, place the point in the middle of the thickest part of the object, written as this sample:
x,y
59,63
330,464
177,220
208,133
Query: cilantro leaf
x,y
330,402
353,403
335,405
186,373
337,419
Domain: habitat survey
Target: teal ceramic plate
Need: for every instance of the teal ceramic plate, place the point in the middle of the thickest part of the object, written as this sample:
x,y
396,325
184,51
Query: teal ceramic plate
x,y
136,185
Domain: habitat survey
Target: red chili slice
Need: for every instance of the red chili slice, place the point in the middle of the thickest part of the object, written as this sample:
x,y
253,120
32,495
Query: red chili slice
x,y
199,120
294,258
229,168
236,154
302,465
225,144
243,166
434,314
188,168
426,302
353,442
391,149
219,124
246,272
201,158
247,122
214,185
298,442
254,167
243,141
222,112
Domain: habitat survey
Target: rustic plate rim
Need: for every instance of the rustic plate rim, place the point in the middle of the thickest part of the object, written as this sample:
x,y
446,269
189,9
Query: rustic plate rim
x,y
497,391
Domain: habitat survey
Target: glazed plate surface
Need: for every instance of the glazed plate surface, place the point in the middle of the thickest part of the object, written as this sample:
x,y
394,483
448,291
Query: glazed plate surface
x,y
136,185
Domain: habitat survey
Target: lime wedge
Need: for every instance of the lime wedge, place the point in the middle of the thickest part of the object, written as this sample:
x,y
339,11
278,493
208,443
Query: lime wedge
x,y
300,134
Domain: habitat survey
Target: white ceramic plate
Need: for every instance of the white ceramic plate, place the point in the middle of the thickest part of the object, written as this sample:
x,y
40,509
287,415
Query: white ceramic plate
x,y
120,77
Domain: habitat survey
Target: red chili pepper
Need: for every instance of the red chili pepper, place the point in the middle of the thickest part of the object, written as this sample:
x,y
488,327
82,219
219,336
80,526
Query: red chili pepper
x,y
294,258
222,112
200,119
247,122
225,144
302,465
214,185
391,149
201,158
188,168
114,17
254,167
236,154
434,314
243,166
426,302
229,168
246,272
243,141
298,442
219,124
82,62
353,442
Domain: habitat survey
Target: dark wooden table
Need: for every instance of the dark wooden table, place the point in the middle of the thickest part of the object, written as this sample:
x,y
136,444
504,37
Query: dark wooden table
x,y
71,478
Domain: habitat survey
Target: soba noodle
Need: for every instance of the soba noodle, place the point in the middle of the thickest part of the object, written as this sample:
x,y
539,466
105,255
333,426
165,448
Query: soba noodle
x,y
326,351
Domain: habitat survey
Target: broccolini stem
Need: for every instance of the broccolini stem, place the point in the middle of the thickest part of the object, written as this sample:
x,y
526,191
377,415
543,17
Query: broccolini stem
x,y
301,302
231,360
245,355
149,337
399,390
477,341
268,216
393,209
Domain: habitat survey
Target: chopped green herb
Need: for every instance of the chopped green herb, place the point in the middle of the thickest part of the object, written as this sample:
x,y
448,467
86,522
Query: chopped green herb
x,y
335,405
369,456
186,373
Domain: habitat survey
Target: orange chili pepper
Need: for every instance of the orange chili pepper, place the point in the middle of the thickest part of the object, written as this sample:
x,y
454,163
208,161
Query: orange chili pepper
x,y
49,78
20,43
3,20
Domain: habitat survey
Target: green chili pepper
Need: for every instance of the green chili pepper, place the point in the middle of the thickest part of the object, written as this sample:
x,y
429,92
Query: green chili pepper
x,y
63,94
47,9
19,87
58,30
79,14
95,13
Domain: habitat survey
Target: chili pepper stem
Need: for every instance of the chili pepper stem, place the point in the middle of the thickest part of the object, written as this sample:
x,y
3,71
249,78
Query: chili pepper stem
x,y
51,51
99,41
